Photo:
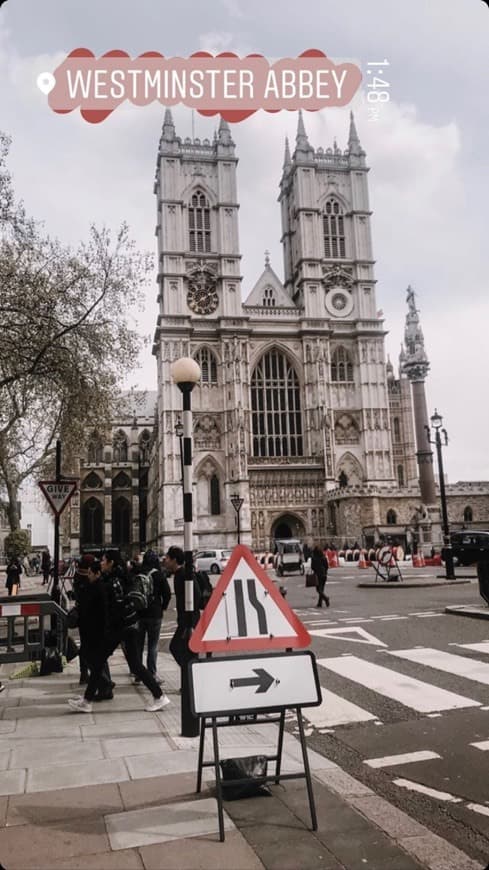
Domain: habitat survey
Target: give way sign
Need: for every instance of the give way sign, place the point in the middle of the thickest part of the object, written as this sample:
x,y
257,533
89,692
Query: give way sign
x,y
247,612
58,493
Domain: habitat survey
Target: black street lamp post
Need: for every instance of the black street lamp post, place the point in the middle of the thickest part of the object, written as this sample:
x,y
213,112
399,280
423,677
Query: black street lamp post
x,y
436,424
237,503
186,374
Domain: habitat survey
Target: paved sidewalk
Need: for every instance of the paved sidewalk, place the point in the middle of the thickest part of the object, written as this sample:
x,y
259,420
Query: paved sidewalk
x,y
116,789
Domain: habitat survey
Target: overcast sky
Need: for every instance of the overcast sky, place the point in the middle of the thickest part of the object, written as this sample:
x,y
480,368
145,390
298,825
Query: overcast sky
x,y
427,154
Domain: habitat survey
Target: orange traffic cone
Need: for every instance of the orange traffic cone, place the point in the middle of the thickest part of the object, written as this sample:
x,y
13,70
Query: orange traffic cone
x,y
362,562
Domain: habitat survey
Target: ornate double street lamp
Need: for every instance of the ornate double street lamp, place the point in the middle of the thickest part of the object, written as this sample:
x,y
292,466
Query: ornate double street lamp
x,y
186,373
436,424
237,503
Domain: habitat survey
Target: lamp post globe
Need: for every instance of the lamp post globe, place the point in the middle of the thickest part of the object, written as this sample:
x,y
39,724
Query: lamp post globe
x,y
185,371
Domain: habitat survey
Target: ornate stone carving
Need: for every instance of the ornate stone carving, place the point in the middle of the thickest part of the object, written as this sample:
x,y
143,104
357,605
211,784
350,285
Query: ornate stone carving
x,y
202,296
337,276
206,433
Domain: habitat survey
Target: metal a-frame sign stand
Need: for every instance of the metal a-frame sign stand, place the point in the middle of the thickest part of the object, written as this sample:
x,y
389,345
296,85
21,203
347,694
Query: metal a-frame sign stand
x,y
247,612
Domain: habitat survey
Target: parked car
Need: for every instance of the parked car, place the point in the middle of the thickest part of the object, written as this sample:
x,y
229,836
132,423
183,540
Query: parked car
x,y
469,547
213,561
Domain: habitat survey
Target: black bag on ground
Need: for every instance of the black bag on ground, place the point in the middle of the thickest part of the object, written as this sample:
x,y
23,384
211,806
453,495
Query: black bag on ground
x,y
51,662
249,768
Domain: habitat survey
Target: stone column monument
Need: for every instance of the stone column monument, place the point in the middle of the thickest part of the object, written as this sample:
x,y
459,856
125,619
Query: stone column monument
x,y
415,365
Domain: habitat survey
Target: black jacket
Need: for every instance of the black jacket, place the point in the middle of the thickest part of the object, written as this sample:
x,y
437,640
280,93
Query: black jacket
x,y
319,564
93,615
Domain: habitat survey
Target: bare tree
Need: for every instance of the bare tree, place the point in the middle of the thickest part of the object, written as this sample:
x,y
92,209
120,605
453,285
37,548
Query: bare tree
x,y
65,338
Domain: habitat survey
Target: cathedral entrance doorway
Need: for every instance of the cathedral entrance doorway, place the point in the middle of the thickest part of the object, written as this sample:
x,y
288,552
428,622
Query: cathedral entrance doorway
x,y
288,526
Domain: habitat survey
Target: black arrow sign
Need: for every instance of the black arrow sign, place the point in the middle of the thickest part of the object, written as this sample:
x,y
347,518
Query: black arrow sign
x,y
263,680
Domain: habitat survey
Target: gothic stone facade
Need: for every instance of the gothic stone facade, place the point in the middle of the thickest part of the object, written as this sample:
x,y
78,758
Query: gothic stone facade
x,y
294,395
110,507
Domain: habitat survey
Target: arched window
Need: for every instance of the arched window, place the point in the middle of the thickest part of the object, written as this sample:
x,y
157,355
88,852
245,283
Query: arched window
x,y
208,365
400,475
95,449
121,521
334,230
391,517
276,407
341,366
92,523
144,447
397,429
215,495
468,515
199,223
268,297
119,447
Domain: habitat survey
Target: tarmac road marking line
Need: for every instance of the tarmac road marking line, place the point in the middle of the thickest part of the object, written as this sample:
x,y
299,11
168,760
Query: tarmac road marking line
x,y
478,808
429,615
403,758
458,665
420,696
482,744
431,792
391,618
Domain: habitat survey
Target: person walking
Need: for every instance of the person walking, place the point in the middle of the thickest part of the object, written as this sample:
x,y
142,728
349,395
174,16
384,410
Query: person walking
x,y
150,621
173,563
120,627
45,566
97,641
319,565
14,570
81,587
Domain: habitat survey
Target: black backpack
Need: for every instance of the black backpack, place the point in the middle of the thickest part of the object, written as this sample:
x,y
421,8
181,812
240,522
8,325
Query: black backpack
x,y
205,588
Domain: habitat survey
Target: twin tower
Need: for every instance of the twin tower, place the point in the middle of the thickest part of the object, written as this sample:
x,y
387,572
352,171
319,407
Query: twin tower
x,y
295,405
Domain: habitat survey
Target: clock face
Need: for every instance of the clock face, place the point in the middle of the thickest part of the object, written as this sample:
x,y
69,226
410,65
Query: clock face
x,y
202,300
202,296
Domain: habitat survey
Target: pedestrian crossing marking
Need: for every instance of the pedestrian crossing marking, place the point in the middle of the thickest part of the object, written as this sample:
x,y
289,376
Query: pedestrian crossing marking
x,y
482,647
404,758
335,634
335,710
420,696
451,663
431,792
482,744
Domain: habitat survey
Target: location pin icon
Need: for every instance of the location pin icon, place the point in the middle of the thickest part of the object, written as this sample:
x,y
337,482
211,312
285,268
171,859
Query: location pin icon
x,y
46,82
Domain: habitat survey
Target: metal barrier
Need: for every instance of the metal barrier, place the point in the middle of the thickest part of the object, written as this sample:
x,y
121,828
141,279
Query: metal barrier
x,y
25,621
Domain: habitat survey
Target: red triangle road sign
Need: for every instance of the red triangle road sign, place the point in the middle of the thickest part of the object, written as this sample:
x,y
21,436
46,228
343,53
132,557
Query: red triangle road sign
x,y
58,493
247,612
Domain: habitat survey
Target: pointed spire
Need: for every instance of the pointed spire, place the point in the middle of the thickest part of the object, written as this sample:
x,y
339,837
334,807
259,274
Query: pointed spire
x,y
224,133
354,146
267,259
301,140
287,160
168,131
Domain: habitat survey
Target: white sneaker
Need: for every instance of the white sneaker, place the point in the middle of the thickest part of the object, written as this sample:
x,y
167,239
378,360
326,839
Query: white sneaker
x,y
80,705
158,704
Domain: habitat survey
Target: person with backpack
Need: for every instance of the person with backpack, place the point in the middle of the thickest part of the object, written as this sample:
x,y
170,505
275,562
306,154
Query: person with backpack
x,y
174,564
150,620
129,596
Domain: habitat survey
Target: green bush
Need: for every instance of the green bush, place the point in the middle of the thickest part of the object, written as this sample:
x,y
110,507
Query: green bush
x,y
17,544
